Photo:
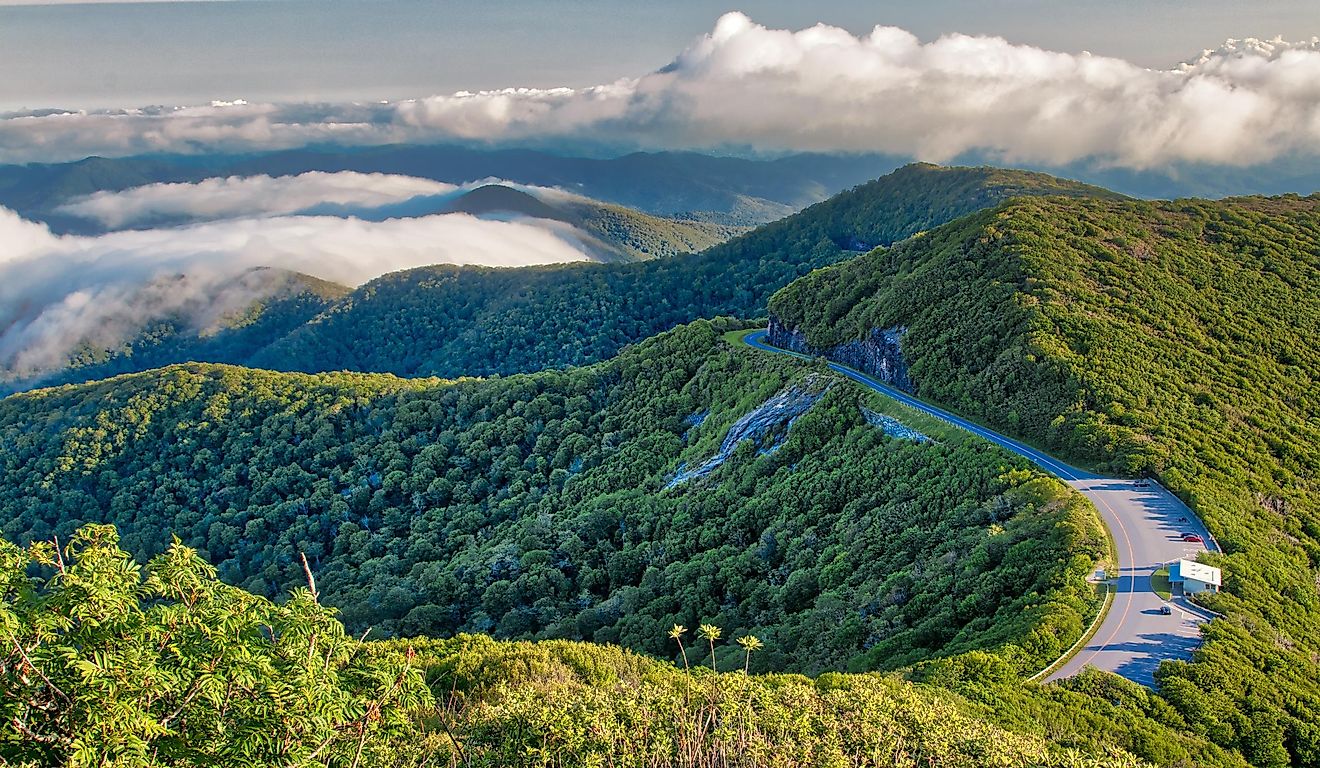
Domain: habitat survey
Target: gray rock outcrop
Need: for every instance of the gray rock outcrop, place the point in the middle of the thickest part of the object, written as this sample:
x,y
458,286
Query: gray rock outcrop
x,y
767,426
880,354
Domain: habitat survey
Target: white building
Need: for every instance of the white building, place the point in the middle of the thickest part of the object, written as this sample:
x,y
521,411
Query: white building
x,y
1189,577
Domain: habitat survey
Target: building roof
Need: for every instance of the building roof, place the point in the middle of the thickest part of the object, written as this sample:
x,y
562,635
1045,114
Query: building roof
x,y
1190,569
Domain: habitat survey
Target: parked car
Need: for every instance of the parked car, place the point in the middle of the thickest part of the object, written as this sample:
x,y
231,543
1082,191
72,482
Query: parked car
x,y
1166,609
1193,537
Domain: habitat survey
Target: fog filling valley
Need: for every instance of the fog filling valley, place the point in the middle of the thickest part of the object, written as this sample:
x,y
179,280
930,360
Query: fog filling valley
x,y
63,293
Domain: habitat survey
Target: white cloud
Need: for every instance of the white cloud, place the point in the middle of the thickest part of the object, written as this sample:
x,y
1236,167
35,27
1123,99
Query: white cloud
x,y
820,88
58,293
237,196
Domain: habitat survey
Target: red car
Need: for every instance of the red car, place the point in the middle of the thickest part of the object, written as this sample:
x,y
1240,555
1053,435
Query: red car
x,y
1192,537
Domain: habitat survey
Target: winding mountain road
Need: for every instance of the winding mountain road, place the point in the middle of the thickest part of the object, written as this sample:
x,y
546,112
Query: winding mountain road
x,y
1147,524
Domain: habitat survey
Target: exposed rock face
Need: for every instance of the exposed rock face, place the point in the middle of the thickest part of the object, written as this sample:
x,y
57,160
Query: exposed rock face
x,y
893,427
767,426
879,354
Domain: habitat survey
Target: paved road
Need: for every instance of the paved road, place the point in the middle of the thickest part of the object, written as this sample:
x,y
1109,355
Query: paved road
x,y
1147,525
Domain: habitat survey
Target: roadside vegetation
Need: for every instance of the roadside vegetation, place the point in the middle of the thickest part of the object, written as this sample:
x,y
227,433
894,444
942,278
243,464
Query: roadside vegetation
x,y
107,663
1177,338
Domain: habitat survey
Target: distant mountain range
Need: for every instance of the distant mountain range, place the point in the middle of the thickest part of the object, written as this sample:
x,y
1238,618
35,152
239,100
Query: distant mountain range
x,y
453,321
723,190
209,312
610,232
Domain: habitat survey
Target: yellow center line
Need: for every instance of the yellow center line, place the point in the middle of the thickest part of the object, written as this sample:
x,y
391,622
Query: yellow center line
x,y
1132,560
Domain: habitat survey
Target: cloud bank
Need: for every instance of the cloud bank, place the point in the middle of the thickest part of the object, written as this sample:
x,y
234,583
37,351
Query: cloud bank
x,y
239,196
821,88
59,294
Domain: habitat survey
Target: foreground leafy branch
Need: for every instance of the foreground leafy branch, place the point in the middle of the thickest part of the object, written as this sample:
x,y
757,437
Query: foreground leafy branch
x,y
107,663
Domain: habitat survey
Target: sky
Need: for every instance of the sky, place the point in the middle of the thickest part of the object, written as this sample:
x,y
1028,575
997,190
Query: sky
x,y
114,55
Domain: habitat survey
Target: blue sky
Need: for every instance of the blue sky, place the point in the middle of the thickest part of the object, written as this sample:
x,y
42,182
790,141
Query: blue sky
x,y
108,55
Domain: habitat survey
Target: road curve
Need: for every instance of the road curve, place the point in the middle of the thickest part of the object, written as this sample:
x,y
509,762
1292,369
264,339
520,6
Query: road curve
x,y
1147,525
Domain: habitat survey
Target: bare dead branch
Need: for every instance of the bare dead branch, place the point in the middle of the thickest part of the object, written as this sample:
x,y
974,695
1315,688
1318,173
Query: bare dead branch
x,y
311,580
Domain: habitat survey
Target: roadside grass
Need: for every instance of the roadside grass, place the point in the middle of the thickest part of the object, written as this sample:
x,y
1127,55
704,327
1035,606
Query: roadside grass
x,y
1159,583
736,337
936,429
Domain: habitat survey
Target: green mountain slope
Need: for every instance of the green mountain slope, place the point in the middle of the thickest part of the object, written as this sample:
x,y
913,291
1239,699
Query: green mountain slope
x,y
568,504
268,305
546,506
609,232
167,666
230,320
1181,338
449,321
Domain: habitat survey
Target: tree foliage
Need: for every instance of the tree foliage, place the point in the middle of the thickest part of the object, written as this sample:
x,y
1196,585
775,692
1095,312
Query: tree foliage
x,y
110,664
1181,338
537,506
103,663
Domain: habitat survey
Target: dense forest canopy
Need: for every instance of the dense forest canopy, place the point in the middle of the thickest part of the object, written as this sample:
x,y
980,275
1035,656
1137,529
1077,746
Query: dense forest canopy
x,y
111,664
1181,338
542,506
447,321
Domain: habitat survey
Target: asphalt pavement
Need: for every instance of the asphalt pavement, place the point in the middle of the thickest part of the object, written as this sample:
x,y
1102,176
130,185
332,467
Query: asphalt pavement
x,y
1147,523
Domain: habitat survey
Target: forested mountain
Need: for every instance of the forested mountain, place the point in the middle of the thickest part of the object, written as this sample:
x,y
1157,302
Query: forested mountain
x,y
451,321
689,482
1181,338
609,232
226,321
724,190
133,319
552,505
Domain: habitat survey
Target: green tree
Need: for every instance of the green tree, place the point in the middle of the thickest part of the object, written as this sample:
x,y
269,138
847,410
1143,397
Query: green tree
x,y
107,664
